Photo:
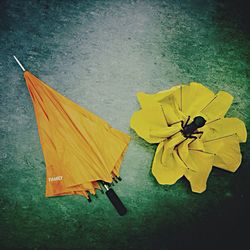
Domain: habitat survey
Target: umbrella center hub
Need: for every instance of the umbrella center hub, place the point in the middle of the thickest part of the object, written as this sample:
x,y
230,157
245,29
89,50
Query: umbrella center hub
x,y
189,130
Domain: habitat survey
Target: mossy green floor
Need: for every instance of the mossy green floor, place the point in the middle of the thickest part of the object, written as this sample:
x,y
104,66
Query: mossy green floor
x,y
99,54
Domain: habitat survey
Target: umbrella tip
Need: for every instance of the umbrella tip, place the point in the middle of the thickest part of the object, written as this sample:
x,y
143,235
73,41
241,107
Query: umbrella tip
x,y
21,66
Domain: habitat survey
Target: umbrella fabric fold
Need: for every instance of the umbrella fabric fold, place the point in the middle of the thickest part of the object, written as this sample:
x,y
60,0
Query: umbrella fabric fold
x,y
79,147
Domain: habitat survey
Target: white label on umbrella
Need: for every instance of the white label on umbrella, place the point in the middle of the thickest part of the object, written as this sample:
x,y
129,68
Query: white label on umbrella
x,y
55,178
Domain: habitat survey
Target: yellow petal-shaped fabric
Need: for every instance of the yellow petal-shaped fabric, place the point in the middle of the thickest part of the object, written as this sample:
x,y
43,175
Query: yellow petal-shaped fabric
x,y
165,132
218,107
170,144
169,172
146,100
194,97
202,162
224,127
155,117
146,120
79,147
226,150
171,110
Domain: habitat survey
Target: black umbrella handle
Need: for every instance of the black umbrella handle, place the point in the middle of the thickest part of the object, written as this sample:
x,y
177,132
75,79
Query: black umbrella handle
x,y
115,200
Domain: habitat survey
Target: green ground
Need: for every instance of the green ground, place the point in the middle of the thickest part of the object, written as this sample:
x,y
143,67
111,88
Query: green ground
x,y
99,54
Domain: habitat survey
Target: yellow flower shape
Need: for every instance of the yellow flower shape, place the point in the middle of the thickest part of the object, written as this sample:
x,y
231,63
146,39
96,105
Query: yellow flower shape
x,y
188,123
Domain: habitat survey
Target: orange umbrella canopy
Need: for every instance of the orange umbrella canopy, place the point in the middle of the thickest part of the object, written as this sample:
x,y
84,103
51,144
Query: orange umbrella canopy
x,y
79,147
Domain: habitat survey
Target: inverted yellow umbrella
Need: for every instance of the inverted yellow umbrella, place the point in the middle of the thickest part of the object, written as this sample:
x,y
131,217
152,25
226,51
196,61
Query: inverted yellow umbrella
x,y
81,150
188,123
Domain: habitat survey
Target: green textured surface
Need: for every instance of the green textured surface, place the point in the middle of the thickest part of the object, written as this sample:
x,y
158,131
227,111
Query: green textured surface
x,y
99,54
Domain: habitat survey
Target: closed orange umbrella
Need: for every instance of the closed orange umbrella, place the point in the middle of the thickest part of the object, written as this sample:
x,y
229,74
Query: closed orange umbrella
x,y
81,150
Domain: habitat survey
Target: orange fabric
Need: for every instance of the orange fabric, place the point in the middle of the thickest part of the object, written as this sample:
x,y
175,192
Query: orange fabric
x,y
78,146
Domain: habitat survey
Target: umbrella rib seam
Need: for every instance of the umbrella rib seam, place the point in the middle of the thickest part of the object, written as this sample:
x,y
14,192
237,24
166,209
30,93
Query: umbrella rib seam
x,y
209,103
220,138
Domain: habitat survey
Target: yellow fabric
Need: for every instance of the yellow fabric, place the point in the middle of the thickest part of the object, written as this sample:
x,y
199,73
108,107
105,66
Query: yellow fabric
x,y
224,127
159,121
218,106
171,170
148,99
199,167
227,152
79,147
194,98
144,122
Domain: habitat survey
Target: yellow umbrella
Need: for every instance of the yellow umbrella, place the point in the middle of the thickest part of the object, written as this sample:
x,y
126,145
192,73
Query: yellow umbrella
x,y
188,123
81,150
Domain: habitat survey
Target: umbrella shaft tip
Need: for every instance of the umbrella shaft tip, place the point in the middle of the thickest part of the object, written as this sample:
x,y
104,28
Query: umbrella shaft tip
x,y
21,66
